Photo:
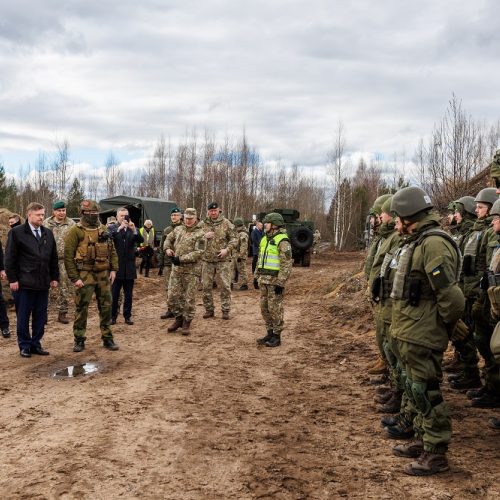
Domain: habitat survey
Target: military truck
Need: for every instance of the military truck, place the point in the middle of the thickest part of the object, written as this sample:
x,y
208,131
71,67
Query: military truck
x,y
299,232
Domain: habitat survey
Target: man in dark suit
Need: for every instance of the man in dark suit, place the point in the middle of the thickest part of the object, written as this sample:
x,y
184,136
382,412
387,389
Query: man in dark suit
x,y
126,238
32,268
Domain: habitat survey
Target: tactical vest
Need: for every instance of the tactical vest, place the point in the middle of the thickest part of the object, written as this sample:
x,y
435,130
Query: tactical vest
x,y
471,249
269,256
149,239
92,254
403,287
494,268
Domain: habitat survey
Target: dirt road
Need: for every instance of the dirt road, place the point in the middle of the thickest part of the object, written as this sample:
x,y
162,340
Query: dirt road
x,y
214,416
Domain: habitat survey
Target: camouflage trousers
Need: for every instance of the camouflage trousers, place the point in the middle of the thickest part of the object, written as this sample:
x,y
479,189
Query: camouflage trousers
x,y
97,282
64,291
182,294
240,270
271,308
167,271
422,370
221,271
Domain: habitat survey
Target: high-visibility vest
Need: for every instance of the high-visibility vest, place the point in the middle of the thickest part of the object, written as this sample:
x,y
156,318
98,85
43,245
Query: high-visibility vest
x,y
149,239
269,255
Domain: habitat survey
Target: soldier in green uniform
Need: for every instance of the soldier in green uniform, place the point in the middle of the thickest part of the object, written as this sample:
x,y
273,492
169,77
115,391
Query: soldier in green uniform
x,y
185,246
165,262
273,269
427,304
91,263
241,254
59,224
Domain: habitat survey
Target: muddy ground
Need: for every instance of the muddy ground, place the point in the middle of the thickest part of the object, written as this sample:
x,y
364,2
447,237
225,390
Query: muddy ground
x,y
214,416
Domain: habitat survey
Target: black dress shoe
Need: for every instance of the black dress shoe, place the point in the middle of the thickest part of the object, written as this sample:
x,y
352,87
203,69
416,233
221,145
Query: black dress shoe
x,y
40,351
25,353
129,321
5,332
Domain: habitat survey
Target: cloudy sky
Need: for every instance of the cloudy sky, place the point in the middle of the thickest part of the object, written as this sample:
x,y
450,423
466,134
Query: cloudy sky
x,y
115,75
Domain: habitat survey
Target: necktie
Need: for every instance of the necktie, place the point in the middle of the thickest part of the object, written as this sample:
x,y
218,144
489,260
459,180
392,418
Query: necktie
x,y
37,234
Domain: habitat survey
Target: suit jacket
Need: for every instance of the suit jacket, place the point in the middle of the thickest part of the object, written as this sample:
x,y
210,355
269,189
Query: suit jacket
x,y
32,263
125,243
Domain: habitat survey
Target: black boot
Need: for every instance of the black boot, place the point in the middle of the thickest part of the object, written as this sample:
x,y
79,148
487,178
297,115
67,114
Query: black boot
x,y
263,340
176,324
402,430
167,315
79,345
110,345
274,341
466,381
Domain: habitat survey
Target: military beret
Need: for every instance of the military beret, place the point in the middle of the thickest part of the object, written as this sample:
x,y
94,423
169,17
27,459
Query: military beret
x,y
58,204
190,213
213,205
175,210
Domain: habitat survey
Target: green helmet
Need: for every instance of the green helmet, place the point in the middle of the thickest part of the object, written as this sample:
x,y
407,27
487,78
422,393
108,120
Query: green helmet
x,y
386,206
275,219
495,165
487,195
495,209
89,206
467,204
451,206
377,205
410,201
238,222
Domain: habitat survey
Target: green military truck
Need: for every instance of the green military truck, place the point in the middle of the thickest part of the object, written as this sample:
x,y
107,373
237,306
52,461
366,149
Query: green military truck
x,y
300,234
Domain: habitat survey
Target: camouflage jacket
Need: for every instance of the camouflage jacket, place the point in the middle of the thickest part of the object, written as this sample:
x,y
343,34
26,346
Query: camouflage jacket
x,y
225,237
59,231
242,248
286,263
73,238
370,256
386,231
187,243
164,260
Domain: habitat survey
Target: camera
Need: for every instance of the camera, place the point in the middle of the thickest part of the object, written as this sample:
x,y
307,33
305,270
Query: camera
x,y
127,218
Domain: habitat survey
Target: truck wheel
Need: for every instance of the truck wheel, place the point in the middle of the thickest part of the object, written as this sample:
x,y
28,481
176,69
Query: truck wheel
x,y
302,238
306,259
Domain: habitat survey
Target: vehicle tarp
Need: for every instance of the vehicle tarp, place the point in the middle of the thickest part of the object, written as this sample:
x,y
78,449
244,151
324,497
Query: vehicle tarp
x,y
140,209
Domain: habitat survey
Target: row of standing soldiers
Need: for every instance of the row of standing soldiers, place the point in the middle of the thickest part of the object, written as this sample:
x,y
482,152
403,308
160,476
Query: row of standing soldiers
x,y
429,287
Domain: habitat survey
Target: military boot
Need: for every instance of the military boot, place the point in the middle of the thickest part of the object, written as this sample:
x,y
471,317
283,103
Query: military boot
x,y
176,324
487,400
494,423
454,365
244,287
428,464
265,339
225,314
456,376
110,345
402,430
393,405
274,341
476,393
79,345
383,397
467,381
185,327
413,449
167,315
6,332
390,420
208,314
378,368
62,318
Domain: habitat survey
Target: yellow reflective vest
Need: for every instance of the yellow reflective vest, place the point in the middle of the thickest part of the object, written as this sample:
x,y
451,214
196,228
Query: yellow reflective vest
x,y
269,256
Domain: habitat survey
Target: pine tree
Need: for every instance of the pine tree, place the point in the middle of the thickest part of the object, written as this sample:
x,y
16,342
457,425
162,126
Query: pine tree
x,y
75,197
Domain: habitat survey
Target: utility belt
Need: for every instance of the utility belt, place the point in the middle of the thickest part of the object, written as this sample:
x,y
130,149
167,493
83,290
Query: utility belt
x,y
267,272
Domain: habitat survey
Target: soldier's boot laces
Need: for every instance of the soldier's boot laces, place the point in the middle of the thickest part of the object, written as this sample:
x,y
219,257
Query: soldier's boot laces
x,y
208,314
428,464
79,345
63,318
167,315
379,367
263,340
414,449
274,341
176,324
185,327
110,345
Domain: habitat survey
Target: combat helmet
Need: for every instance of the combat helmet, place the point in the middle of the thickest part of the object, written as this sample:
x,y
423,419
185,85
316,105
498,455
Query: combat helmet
x,y
409,201
495,209
495,165
386,206
487,195
89,206
275,219
451,206
467,204
238,221
377,205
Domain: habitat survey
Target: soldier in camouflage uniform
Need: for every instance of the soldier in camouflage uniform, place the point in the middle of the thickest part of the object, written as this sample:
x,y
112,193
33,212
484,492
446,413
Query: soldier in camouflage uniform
x,y
240,254
59,224
91,263
427,305
165,262
273,270
185,246
221,241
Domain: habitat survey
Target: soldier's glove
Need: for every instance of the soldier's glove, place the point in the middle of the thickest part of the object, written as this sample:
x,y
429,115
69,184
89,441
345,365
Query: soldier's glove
x,y
278,290
176,261
459,332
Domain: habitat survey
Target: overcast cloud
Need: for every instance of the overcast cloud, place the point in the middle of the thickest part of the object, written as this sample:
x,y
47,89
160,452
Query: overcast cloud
x,y
116,75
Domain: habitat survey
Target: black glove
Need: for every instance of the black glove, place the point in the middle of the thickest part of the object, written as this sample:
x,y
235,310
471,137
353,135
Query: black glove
x,y
278,290
160,271
176,261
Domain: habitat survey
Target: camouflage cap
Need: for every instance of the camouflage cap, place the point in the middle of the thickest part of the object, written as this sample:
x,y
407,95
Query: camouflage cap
x,y
111,220
89,206
190,213
275,219
495,165
58,204
377,205
238,221
487,195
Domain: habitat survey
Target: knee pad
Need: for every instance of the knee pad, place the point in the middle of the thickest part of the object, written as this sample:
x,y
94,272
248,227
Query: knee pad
x,y
420,396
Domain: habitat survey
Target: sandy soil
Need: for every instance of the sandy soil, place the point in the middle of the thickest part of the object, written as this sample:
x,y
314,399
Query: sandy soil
x,y
214,416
